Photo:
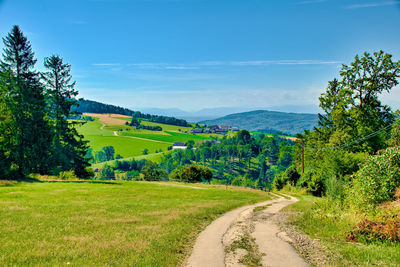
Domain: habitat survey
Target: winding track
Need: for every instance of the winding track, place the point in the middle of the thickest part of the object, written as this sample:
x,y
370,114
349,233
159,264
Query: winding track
x,y
209,250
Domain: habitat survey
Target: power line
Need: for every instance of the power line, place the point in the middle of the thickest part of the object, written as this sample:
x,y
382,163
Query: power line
x,y
352,142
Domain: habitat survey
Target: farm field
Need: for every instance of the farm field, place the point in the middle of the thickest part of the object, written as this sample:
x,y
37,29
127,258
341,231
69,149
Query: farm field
x,y
81,223
170,137
110,130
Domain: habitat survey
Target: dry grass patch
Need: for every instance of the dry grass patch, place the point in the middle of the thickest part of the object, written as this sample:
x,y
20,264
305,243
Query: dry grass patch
x,y
108,119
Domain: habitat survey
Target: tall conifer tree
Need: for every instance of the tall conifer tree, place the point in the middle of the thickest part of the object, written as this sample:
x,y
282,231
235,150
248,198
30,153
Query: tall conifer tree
x,y
27,105
69,147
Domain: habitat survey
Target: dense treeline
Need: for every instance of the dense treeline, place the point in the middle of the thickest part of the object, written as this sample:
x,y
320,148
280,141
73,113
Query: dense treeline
x,y
89,106
35,133
135,122
242,160
160,119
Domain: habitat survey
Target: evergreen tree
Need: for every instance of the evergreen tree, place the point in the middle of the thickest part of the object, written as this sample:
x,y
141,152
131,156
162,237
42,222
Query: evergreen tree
x,y
68,146
30,146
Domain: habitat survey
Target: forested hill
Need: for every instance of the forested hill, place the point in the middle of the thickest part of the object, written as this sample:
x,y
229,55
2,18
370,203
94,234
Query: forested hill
x,y
89,106
268,121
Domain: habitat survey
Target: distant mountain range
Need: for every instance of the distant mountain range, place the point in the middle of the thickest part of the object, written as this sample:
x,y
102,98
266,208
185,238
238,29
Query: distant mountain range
x,y
256,120
195,116
268,121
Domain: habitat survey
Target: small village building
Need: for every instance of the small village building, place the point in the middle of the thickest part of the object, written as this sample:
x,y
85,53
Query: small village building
x,y
179,145
197,130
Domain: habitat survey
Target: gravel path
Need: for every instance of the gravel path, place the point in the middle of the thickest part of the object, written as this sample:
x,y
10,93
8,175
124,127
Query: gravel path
x,y
213,243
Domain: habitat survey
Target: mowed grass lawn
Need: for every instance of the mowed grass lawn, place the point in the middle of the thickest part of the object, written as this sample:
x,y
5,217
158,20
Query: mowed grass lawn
x,y
101,224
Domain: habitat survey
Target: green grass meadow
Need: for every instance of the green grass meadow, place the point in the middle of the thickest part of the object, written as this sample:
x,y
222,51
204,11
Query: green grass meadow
x,y
108,223
170,137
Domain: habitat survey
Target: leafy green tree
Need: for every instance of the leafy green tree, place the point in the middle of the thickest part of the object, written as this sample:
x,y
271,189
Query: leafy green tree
x,y
151,172
190,144
145,151
69,147
394,139
32,138
100,156
109,152
192,174
106,173
351,105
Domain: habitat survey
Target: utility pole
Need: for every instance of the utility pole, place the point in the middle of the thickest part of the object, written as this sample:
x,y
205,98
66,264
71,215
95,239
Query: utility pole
x,y
302,157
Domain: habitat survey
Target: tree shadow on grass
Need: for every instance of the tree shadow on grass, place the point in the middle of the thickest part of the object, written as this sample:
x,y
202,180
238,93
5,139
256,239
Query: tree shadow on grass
x,y
87,182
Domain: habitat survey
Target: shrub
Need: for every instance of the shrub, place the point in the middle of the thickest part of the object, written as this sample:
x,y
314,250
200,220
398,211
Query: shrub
x,y
106,173
238,181
280,181
218,181
192,174
67,175
313,181
151,172
384,228
290,176
377,179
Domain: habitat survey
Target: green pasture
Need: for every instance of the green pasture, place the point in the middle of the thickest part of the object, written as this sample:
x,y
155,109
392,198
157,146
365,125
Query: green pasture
x,y
170,137
125,146
155,157
80,223
167,127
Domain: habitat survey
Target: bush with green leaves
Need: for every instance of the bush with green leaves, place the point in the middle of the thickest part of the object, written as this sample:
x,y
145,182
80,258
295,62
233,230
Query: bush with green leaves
x,y
191,174
67,175
290,176
106,173
151,172
313,180
377,179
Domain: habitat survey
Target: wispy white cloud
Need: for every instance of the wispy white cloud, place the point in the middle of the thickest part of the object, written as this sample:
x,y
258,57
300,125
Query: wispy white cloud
x,y
307,2
374,4
106,64
249,63
282,62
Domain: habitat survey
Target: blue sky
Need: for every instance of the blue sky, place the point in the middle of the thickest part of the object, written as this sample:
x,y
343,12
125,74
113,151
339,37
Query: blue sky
x,y
194,54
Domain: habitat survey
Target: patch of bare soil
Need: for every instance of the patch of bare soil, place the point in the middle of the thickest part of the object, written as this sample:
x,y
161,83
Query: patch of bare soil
x,y
311,250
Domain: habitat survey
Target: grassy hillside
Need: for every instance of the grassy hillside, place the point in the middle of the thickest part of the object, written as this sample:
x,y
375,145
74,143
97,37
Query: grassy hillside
x,y
110,130
268,121
100,224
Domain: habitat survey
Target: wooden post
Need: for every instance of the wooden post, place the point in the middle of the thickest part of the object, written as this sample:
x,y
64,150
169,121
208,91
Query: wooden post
x,y
302,157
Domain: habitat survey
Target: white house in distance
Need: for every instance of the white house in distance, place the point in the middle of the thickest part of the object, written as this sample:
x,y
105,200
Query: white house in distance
x,y
179,145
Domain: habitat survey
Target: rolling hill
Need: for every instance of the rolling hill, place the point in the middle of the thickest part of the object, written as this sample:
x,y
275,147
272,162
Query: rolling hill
x,y
268,121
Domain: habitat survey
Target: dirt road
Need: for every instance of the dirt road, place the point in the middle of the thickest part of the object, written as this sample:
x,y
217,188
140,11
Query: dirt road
x,y
213,246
